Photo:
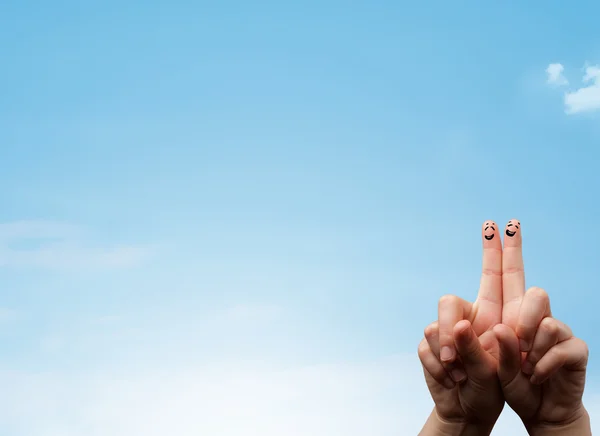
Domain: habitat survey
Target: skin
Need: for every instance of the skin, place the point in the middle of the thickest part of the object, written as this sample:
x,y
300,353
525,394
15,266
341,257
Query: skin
x,y
542,365
459,352
489,233
513,273
508,347
512,232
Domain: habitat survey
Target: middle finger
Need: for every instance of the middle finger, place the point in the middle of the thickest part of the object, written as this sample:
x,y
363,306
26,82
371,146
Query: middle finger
x,y
513,273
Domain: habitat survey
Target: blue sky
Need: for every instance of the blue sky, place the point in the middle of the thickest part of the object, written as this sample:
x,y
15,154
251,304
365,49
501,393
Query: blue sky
x,y
262,203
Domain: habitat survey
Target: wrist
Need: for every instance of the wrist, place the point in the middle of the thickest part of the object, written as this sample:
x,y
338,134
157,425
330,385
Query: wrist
x,y
438,426
578,425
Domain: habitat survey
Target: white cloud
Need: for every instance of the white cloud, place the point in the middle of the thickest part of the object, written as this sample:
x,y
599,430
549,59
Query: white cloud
x,y
60,246
586,98
555,75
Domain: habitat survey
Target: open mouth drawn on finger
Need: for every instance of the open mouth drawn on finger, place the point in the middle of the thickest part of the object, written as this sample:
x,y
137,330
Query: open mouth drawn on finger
x,y
512,232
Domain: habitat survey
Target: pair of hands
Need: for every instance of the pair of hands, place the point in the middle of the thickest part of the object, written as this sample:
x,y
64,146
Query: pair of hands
x,y
506,346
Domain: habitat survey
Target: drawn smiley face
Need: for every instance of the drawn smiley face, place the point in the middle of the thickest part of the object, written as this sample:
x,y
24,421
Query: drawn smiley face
x,y
512,227
489,230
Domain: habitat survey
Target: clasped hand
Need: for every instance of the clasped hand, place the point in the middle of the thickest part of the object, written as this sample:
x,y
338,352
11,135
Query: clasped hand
x,y
504,347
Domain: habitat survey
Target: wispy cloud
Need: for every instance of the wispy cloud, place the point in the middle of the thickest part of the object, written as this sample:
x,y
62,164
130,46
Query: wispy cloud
x,y
586,98
555,75
384,397
61,246
224,396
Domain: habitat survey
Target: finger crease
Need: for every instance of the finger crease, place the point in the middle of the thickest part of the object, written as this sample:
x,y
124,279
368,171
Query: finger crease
x,y
490,299
491,272
513,270
513,300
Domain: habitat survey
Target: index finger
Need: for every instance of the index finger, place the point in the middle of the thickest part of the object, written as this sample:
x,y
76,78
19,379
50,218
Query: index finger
x,y
513,273
490,287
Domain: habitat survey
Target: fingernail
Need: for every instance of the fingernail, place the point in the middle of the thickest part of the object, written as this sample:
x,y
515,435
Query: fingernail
x,y
446,354
527,367
458,375
448,383
524,345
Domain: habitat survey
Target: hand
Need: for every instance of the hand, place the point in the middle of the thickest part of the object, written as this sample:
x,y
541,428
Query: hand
x,y
542,365
459,353
545,385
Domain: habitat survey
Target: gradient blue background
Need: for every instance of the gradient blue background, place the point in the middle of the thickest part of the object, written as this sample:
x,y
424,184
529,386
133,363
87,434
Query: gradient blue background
x,y
332,159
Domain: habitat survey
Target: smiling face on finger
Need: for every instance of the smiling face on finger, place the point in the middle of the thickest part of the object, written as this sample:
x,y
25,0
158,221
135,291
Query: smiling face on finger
x,y
491,235
489,230
512,233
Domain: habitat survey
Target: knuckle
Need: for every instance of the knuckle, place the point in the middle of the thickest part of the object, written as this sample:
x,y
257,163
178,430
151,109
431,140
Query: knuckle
x,y
423,348
558,354
438,373
448,300
541,372
472,351
534,356
549,326
537,293
431,330
567,329
585,350
523,331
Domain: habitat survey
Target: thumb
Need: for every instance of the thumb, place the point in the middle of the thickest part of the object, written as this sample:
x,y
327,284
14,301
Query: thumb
x,y
509,365
478,363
